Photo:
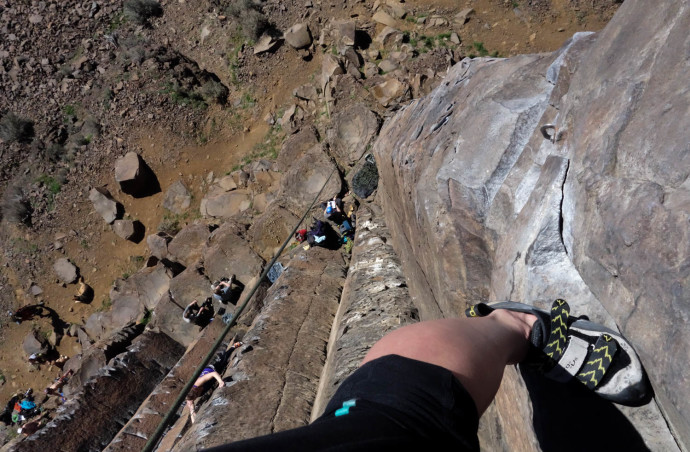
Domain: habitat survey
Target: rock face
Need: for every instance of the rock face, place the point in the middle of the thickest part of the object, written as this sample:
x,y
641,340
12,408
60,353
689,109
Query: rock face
x,y
187,245
105,205
353,130
278,375
305,178
65,270
34,343
482,207
95,415
375,301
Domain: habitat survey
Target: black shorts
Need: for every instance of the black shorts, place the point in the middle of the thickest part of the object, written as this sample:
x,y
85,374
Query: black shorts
x,y
389,402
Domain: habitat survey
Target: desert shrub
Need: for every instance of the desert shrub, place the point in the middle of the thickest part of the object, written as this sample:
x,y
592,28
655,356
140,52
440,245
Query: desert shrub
x,y
13,128
140,11
54,152
249,16
170,225
214,92
15,207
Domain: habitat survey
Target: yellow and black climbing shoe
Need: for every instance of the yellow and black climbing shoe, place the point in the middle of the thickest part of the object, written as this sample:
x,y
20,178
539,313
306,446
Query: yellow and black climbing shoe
x,y
566,347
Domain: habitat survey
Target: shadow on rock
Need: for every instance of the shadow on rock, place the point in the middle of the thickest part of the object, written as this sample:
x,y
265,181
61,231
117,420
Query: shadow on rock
x,y
570,417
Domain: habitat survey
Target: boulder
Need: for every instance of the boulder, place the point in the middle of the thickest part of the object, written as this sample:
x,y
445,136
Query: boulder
x,y
390,92
270,229
463,16
134,176
345,32
228,252
384,18
365,179
295,146
388,65
167,317
147,285
389,37
65,270
225,204
177,198
124,228
187,245
352,132
298,36
227,183
105,205
189,285
158,244
306,92
265,44
305,178
34,342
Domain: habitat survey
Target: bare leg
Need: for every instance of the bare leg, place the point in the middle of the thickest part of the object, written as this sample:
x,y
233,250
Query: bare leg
x,y
475,350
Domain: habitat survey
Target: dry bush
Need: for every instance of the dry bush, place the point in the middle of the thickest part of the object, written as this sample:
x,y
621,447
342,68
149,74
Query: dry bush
x,y
14,207
214,92
13,128
249,16
140,11
54,152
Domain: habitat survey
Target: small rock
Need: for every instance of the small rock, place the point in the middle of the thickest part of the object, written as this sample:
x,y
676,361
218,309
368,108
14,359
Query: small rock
x,y
384,18
454,38
265,44
124,228
298,36
104,204
66,271
463,16
35,290
388,65
35,19
177,198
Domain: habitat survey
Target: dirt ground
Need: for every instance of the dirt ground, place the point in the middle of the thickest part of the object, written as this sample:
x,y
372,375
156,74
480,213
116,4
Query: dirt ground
x,y
506,27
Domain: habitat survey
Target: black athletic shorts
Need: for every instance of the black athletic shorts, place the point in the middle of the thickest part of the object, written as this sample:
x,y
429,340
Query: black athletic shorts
x,y
391,402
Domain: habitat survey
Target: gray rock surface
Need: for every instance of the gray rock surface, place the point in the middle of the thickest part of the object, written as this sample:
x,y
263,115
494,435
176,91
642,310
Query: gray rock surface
x,y
124,228
279,375
295,147
482,207
228,252
35,343
304,180
270,229
90,419
298,36
187,245
225,204
133,175
65,270
104,204
352,132
158,244
177,198
375,301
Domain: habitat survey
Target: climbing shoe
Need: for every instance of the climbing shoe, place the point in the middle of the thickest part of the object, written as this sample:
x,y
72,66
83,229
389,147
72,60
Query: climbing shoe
x,y
565,347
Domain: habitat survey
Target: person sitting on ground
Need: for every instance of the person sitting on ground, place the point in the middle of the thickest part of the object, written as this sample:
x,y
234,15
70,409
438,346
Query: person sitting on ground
x,y
425,385
334,209
208,374
317,234
198,314
222,290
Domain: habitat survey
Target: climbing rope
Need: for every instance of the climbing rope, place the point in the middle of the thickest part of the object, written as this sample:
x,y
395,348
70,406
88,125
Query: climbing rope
x,y
153,440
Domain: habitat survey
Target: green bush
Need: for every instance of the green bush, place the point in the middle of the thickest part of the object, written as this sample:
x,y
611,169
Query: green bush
x,y
13,128
140,11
